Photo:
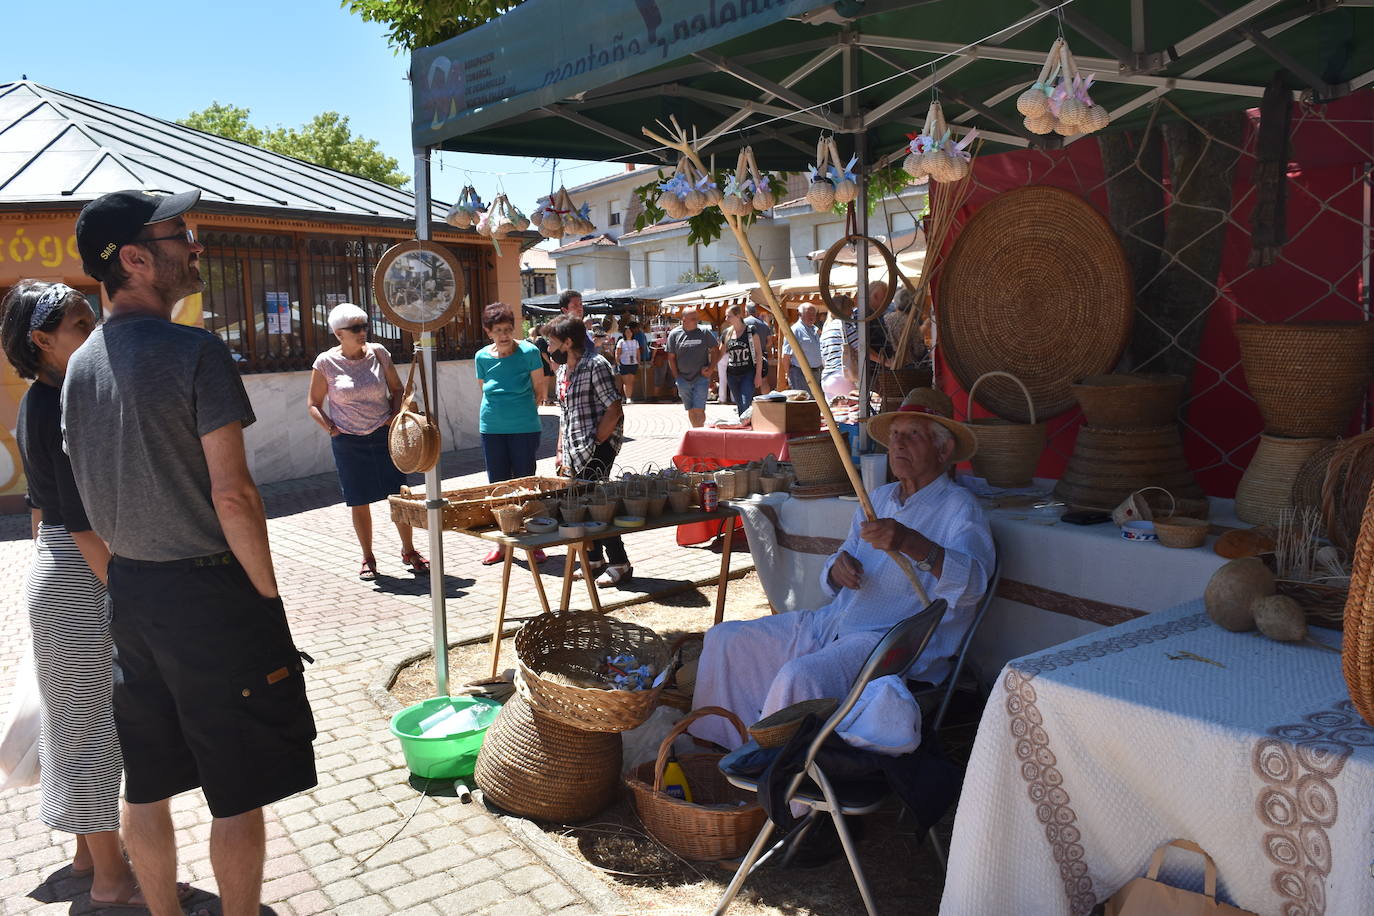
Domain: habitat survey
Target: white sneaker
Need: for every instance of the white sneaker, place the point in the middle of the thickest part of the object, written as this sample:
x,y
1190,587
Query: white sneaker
x,y
614,575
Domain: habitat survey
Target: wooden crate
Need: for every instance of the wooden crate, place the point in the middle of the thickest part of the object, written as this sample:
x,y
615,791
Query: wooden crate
x,y
787,416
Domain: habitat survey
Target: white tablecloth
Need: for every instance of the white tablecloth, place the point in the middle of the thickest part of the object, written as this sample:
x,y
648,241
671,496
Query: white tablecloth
x,y
1059,581
1091,755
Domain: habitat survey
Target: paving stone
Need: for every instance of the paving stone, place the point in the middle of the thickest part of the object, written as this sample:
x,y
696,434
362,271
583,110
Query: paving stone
x,y
479,898
374,905
525,879
388,876
553,896
311,903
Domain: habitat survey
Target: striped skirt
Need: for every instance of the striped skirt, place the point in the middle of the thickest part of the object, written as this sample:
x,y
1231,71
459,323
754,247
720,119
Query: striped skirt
x,y
79,757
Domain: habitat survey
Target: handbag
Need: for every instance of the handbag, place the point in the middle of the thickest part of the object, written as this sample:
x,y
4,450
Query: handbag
x,y
1148,896
19,740
414,435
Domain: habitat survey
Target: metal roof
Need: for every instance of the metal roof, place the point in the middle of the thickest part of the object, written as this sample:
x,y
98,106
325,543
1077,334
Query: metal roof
x,y
581,86
59,148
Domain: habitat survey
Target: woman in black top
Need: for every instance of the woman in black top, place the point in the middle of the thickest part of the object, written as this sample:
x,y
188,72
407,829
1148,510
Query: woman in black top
x,y
743,359
80,762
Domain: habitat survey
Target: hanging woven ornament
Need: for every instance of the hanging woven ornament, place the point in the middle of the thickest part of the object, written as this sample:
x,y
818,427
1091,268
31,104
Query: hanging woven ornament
x,y
820,192
499,222
577,219
547,219
735,197
1035,101
675,190
760,186
707,186
845,178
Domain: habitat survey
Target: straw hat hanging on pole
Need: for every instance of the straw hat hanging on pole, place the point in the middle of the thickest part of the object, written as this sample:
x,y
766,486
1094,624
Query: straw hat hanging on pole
x,y
680,143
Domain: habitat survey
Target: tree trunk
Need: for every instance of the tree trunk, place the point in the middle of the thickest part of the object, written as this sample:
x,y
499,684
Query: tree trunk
x,y
1202,161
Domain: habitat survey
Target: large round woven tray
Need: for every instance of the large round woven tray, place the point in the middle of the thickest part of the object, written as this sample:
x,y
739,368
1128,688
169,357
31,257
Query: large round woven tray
x,y
535,766
1036,285
555,647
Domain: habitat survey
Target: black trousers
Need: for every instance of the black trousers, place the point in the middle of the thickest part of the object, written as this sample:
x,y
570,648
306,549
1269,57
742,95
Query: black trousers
x,y
598,467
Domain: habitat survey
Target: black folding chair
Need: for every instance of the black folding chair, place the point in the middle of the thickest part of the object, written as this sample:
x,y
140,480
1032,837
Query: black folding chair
x,y
893,654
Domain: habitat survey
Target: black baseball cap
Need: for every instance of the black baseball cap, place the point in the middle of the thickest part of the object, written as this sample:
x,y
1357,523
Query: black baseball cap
x,y
116,219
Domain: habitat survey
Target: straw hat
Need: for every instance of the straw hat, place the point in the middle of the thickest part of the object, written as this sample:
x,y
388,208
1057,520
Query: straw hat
x,y
932,405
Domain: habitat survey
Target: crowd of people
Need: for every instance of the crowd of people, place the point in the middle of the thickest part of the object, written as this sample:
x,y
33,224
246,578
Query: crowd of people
x,y
163,654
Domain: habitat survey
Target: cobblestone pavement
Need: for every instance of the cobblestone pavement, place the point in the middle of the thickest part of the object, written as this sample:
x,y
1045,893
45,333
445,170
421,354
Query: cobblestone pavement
x,y
450,858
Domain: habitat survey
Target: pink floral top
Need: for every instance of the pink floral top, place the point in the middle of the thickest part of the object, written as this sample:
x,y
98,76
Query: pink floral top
x,y
359,398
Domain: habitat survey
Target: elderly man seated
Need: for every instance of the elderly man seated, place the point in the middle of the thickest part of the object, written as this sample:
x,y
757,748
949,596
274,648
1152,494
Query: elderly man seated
x,y
757,667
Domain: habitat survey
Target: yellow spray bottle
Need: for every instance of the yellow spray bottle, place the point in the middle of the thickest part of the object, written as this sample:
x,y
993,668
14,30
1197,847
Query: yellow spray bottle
x,y
675,780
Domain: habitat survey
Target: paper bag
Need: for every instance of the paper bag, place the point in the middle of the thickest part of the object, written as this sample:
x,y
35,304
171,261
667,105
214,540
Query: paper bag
x,y
1148,896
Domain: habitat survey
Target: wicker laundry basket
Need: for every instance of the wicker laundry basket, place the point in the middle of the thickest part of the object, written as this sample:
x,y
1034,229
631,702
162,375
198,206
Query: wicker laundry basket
x,y
1007,451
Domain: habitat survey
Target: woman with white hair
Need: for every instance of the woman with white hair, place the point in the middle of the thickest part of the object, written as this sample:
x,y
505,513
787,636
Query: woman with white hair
x,y
364,393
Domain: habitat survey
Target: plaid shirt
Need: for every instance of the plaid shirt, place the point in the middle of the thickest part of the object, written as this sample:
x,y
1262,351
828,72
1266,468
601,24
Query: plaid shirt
x,y
586,393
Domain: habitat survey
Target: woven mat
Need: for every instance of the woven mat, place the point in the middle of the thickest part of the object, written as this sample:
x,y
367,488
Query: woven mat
x,y
1036,285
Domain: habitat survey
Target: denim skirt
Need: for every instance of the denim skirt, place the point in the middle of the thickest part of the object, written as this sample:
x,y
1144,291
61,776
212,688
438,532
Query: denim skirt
x,y
366,474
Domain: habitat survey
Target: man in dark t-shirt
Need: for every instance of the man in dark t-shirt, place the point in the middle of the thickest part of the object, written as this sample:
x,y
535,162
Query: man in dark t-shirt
x,y
209,687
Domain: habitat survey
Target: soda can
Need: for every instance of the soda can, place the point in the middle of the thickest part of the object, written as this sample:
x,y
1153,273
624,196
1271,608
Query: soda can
x,y
710,496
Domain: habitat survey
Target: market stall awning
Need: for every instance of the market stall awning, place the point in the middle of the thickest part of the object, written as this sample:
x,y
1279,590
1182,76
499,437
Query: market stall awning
x,y
603,301
547,79
793,290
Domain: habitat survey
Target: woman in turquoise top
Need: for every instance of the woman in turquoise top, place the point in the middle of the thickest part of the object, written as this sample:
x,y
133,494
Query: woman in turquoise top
x,y
512,375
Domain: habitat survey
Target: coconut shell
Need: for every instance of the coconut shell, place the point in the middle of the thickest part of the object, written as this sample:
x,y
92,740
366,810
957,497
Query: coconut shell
x,y
1233,588
1280,618
1244,542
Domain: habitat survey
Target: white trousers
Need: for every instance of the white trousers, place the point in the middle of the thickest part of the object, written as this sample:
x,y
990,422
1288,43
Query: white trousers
x,y
756,667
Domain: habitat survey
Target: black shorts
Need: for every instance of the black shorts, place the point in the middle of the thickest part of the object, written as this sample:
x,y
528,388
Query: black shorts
x,y
209,688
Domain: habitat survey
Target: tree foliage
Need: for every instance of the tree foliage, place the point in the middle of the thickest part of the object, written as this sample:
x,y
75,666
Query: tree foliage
x,y
412,24
706,274
325,140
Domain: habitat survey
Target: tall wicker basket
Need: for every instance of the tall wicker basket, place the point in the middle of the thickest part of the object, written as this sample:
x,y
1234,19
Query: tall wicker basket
x,y
1266,488
718,823
1307,379
1357,656
1007,452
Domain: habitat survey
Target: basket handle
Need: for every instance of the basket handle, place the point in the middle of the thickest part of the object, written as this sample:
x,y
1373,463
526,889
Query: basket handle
x,y
666,747
1029,402
1173,503
1052,61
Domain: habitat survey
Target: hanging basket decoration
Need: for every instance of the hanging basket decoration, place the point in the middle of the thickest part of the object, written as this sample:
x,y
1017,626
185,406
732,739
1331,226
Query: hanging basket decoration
x,y
845,177
736,197
820,192
1058,101
465,213
688,192
934,154
760,186
556,215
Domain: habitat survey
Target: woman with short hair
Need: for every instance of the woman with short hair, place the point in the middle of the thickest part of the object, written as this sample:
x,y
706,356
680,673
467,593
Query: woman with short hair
x,y
364,393
512,373
591,430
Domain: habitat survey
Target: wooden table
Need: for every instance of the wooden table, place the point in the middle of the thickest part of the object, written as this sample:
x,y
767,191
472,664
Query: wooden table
x,y
577,551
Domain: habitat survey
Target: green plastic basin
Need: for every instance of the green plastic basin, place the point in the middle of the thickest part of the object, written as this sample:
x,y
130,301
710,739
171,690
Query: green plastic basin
x,y
447,757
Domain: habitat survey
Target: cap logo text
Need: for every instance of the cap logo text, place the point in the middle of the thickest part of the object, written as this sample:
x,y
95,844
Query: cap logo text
x,y
107,251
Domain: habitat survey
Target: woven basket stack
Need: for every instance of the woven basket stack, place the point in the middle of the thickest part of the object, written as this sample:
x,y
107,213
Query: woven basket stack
x,y
1307,381
1130,441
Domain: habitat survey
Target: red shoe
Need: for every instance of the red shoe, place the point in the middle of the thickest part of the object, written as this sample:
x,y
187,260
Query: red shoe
x,y
495,555
540,557
416,562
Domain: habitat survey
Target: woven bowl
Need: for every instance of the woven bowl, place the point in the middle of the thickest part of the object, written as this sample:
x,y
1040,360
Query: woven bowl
x,y
1136,400
1178,532
774,730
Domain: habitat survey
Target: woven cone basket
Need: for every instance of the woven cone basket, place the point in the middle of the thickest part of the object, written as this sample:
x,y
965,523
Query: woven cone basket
x,y
1109,465
1135,400
535,766
1307,379
1357,655
1007,452
1266,488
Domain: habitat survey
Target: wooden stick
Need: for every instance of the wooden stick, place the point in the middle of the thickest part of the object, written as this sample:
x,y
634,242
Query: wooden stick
x,y
841,445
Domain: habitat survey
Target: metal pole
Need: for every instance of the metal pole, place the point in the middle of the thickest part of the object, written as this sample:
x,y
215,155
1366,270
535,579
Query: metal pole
x,y
434,500
861,288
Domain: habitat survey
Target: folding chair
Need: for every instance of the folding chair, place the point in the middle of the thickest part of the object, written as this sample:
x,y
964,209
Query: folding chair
x,y
893,654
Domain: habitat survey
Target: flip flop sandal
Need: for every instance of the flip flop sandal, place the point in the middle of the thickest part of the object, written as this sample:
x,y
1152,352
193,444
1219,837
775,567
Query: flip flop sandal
x,y
614,575
416,562
598,566
368,573
125,902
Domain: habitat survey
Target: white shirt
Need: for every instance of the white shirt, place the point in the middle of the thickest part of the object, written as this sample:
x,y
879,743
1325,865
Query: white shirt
x,y
950,516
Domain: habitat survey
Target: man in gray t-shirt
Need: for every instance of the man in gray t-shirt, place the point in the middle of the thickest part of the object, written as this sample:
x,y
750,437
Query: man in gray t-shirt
x,y
209,687
690,349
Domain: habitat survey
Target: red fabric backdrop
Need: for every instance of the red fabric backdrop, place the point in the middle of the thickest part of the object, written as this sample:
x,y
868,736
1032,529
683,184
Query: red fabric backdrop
x,y
1318,278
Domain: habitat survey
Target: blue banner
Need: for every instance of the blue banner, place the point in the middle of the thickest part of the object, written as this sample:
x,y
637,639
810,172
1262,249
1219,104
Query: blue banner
x,y
546,50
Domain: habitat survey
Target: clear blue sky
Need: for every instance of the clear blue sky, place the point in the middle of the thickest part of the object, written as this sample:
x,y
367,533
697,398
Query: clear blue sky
x,y
285,60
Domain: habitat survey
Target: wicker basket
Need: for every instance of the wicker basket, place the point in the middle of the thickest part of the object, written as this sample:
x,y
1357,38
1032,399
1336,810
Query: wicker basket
x,y
1307,379
1266,488
576,645
1349,478
1179,532
1135,400
893,384
815,460
719,823
1311,479
535,766
1324,605
774,730
1358,649
1007,452
471,507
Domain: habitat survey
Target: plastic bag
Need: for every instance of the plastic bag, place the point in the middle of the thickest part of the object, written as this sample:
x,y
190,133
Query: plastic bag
x,y
19,740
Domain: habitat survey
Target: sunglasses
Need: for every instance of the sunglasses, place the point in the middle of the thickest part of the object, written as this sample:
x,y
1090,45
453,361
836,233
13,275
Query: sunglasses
x,y
188,236
360,328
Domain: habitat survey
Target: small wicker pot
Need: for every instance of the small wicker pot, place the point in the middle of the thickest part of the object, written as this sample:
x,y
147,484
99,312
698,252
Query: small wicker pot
x,y
727,484
535,766
576,646
1129,400
679,500
719,823
1266,488
1307,379
815,460
1007,452
1181,533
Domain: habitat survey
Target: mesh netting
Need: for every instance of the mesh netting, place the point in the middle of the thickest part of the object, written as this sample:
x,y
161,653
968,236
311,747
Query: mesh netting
x,y
1318,274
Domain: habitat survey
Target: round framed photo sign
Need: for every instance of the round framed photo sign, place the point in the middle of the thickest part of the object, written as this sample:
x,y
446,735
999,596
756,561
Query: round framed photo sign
x,y
418,285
